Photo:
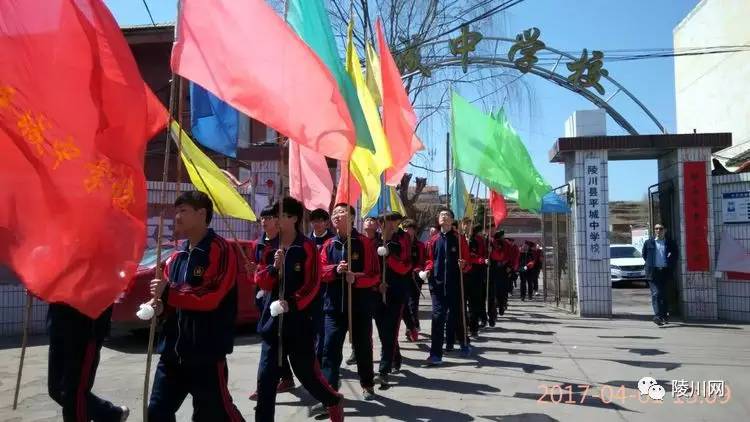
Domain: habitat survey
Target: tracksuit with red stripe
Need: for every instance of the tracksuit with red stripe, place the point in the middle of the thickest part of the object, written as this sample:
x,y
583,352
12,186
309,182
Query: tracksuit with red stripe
x,y
301,283
411,311
364,259
476,286
502,263
445,289
75,341
201,309
388,315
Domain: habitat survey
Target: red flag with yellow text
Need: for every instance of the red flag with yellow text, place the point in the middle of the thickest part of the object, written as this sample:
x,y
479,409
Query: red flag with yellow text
x,y
75,116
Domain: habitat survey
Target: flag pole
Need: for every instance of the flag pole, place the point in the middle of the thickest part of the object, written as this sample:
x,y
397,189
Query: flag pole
x,y
24,343
349,224
282,273
487,206
159,235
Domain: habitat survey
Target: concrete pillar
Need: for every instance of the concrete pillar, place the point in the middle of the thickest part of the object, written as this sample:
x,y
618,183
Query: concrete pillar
x,y
591,270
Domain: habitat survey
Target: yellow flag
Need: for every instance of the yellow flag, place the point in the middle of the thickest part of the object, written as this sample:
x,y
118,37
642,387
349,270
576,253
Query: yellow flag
x,y
365,165
396,204
374,80
208,178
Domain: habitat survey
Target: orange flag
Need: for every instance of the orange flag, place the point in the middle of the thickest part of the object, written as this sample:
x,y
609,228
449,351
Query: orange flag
x,y
245,54
399,120
75,117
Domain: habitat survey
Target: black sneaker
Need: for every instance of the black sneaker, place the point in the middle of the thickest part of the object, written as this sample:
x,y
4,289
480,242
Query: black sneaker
x,y
658,321
318,410
492,323
369,394
382,379
352,359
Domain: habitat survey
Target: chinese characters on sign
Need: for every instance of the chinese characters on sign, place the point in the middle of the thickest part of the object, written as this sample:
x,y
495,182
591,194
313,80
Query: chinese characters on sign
x,y
527,43
592,182
465,44
695,211
587,71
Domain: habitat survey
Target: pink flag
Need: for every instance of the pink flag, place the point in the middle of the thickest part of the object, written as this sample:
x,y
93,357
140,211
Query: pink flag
x,y
498,206
309,177
245,54
399,120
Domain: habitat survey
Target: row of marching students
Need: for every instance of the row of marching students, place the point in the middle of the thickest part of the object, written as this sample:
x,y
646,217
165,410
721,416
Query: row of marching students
x,y
307,289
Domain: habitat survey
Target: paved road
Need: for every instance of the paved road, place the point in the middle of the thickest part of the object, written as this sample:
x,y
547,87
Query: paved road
x,y
511,378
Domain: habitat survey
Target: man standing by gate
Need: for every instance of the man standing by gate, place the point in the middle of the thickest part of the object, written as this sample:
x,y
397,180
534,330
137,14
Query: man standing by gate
x,y
660,255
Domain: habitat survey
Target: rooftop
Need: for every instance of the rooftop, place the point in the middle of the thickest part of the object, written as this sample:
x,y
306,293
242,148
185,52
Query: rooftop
x,y
638,147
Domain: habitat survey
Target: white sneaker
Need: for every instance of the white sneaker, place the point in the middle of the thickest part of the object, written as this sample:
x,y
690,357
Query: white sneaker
x,y
125,413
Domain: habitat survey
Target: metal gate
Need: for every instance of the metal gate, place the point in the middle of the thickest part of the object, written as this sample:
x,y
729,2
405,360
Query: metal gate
x,y
559,284
661,201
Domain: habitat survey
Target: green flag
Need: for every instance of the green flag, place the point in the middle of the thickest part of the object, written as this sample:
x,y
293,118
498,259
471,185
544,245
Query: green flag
x,y
309,20
488,147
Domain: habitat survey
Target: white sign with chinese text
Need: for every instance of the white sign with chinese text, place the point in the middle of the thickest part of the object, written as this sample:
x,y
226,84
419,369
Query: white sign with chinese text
x,y
735,207
592,183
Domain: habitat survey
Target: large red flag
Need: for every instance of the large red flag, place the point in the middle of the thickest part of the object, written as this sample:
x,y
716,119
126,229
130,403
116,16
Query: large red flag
x,y
245,54
399,120
75,117
498,206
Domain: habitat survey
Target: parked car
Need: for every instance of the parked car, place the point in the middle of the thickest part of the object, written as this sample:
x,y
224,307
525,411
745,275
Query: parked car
x,y
123,314
626,264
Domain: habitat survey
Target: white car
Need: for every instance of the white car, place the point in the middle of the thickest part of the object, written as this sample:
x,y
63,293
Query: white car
x,y
626,263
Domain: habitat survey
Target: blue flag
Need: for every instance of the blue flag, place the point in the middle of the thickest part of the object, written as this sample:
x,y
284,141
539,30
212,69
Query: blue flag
x,y
460,199
215,124
554,203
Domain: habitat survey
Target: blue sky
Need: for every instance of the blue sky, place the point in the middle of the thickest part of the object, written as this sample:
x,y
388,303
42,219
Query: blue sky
x,y
570,26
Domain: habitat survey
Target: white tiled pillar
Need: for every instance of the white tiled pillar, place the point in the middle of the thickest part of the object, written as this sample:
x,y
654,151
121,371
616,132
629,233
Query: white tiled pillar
x,y
698,290
592,276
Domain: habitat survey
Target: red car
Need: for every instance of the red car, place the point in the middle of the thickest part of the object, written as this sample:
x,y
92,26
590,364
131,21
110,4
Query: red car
x,y
123,314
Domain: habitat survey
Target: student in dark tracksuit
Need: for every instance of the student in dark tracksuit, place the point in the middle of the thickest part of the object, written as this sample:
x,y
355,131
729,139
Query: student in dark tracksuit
x,y
299,264
475,280
395,290
319,219
501,256
340,268
444,263
418,257
269,221
200,292
529,263
75,341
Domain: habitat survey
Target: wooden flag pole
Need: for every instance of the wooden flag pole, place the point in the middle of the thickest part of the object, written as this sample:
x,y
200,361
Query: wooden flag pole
x,y
489,245
349,224
159,235
282,273
24,343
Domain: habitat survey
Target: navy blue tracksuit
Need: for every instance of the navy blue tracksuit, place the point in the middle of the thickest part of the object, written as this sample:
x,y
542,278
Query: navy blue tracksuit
x,y
364,259
75,341
388,315
316,308
201,302
442,263
301,283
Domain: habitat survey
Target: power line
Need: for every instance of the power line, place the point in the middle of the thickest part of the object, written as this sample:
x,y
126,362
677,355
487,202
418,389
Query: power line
x,y
150,16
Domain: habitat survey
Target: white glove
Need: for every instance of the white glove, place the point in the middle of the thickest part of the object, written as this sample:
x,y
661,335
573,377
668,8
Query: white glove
x,y
524,268
486,261
260,294
277,308
145,312
382,251
423,275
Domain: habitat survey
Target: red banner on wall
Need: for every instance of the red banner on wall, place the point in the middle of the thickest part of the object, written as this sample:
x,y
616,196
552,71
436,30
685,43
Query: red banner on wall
x,y
696,216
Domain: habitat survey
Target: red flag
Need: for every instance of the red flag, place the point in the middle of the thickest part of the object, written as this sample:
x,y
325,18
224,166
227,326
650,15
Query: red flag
x,y
245,54
498,206
75,117
399,120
